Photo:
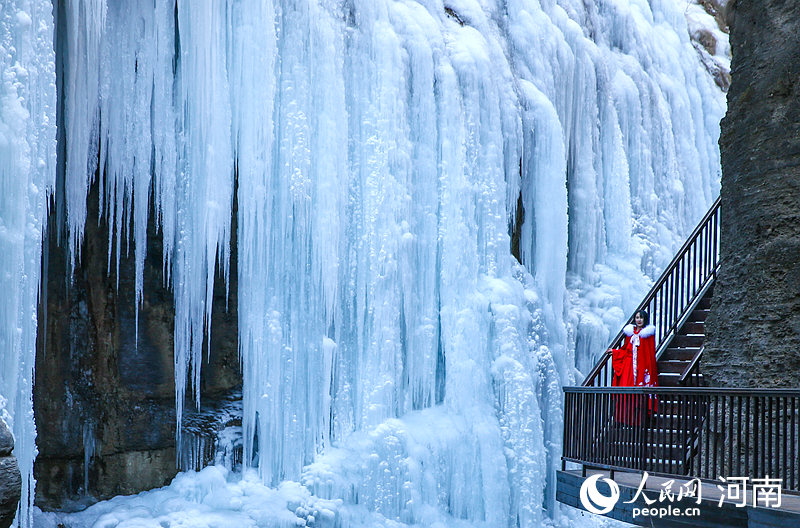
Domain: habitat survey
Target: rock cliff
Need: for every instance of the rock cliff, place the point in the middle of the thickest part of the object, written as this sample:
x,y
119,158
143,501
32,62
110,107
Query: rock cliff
x,y
753,330
104,397
10,480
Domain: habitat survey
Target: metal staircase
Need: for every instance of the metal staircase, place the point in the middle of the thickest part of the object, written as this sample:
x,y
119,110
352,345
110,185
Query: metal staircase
x,y
678,304
682,430
667,437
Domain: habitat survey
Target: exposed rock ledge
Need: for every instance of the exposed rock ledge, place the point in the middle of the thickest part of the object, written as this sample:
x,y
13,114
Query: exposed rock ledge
x,y
10,479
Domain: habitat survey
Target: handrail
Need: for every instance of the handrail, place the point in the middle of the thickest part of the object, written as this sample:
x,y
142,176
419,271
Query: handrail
x,y
677,289
691,391
695,432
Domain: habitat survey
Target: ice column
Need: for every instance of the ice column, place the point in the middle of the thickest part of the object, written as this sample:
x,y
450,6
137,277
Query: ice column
x,y
27,177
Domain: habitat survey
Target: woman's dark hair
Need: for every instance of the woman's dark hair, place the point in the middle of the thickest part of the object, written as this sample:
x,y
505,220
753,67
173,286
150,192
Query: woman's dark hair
x,y
645,316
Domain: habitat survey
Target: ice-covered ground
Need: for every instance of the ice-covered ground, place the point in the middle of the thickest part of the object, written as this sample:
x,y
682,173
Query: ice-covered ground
x,y
400,366
215,498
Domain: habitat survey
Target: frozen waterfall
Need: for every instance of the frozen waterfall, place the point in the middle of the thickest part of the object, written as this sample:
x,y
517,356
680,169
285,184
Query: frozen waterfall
x,y
400,365
27,177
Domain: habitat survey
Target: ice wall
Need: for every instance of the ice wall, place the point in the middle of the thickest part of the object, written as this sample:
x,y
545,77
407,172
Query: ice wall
x,y
27,177
395,354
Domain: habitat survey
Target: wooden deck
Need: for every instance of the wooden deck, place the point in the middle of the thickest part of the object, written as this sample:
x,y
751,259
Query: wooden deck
x,y
710,513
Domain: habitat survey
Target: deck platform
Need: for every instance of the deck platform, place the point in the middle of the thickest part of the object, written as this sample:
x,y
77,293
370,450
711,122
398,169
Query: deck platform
x,y
711,514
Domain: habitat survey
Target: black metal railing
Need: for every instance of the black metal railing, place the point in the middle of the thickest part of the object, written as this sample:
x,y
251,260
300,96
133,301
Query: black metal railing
x,y
676,292
700,432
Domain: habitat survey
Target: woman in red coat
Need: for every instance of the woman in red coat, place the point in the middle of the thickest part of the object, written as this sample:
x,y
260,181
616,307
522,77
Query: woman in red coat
x,y
635,363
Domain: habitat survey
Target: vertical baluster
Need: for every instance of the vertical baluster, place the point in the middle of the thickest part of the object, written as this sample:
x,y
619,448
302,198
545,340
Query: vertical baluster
x,y
586,438
716,238
711,243
616,403
707,248
580,405
784,463
756,436
620,437
703,260
607,428
705,435
643,424
698,414
590,453
723,436
660,311
573,429
678,283
716,435
793,484
739,436
627,444
672,299
771,451
568,414
670,437
680,440
678,292
597,425
747,432
729,436
681,288
689,274
634,431
643,431
684,283
695,260
762,434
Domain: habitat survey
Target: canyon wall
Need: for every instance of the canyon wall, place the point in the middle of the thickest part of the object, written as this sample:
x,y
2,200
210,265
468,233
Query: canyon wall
x,y
104,398
753,330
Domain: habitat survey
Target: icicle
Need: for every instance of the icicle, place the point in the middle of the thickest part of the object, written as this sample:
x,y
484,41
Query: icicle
x,y
380,148
27,177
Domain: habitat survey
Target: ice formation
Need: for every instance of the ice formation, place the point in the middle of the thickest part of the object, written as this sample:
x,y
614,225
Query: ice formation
x,y
395,355
27,177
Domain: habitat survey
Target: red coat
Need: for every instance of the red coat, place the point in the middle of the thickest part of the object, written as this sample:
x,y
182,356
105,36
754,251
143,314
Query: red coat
x,y
643,372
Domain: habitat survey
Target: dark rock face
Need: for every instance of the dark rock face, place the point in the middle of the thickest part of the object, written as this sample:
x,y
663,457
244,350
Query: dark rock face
x,y
6,440
10,479
105,403
753,330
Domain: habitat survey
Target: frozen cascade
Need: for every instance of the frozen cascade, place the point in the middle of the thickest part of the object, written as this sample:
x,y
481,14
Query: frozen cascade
x,y
395,354
27,178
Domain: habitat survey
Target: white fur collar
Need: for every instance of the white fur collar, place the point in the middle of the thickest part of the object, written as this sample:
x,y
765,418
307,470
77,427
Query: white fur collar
x,y
647,331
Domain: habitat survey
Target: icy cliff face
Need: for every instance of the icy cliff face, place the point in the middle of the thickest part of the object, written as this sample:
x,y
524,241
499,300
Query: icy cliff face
x,y
27,176
395,354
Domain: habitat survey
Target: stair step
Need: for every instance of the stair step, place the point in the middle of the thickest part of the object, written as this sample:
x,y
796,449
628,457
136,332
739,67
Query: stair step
x,y
694,327
698,314
687,341
668,379
671,379
679,354
705,302
672,366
